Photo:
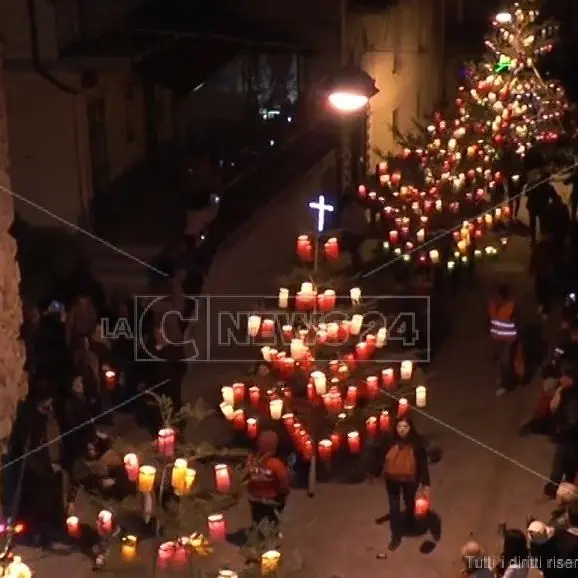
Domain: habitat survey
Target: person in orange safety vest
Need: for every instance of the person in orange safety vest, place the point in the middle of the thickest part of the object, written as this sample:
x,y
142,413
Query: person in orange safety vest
x,y
504,334
268,481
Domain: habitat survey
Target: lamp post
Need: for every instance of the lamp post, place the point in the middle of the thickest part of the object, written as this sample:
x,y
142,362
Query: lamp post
x,y
349,95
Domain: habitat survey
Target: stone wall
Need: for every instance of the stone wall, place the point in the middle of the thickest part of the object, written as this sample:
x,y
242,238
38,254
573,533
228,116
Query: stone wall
x,y
13,378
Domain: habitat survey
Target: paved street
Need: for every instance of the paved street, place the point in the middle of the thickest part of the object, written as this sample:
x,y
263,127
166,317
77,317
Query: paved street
x,y
487,473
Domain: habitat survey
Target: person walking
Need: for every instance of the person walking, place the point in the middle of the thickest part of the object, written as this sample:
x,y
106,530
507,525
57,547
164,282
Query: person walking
x,y
406,472
504,334
268,483
539,192
542,265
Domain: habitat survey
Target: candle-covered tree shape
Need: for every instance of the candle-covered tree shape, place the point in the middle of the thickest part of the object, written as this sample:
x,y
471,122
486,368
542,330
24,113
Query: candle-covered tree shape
x,y
179,489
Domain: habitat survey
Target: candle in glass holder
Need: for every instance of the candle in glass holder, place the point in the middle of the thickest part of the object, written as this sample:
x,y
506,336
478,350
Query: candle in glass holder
x,y
128,548
381,338
362,351
333,331
355,295
321,336
287,366
254,325
276,408
283,300
354,442
146,479
356,323
178,476
239,419
166,442
325,449
297,349
384,421
304,248
73,526
351,397
190,478
311,395
434,256
238,392
420,396
372,387
227,410
420,236
335,440
165,555
217,527
393,237
228,395
406,370
267,328
402,407
254,395
332,249
288,420
131,467
330,298
371,426
252,428
222,478
270,562
319,382
104,522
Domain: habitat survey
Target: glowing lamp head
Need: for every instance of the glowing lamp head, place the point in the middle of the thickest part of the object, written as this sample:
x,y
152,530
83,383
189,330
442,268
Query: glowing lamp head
x,y
347,101
503,18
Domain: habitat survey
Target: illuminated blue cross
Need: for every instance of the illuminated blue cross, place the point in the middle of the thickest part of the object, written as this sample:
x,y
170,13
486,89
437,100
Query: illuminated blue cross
x,y
322,208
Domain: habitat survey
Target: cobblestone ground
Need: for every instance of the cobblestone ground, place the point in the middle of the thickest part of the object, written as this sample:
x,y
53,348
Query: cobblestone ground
x,y
487,474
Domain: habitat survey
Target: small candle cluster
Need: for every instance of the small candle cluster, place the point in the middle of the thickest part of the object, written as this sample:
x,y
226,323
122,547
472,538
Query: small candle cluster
x,y
306,248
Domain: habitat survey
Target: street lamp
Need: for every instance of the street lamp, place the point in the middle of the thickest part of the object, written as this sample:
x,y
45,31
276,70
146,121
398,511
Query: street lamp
x,y
503,18
348,93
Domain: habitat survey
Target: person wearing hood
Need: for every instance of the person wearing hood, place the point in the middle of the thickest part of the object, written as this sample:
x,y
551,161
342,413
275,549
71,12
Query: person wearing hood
x,y
542,547
268,482
405,471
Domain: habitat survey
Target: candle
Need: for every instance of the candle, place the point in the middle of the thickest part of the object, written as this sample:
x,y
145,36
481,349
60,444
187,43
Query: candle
x,y
166,442
254,395
356,323
372,387
217,527
304,248
333,331
421,507
330,298
319,382
371,426
393,237
178,476
239,419
362,351
238,392
128,548
146,479
73,526
131,467
227,574
420,236
420,396
381,338
270,562
325,448
227,410
228,395
165,554
387,377
296,348
252,427
406,370
332,249
355,295
354,442
222,478
384,421
253,325
402,407
288,420
104,522
110,378
434,256
190,478
351,397
335,440
267,328
283,300
276,408
321,336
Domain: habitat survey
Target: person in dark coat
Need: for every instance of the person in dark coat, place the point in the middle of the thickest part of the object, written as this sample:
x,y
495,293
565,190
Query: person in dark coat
x,y
540,192
38,437
565,546
406,471
543,266
564,410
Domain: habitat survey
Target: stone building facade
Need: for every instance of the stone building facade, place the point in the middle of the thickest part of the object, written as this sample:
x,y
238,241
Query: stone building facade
x,y
13,378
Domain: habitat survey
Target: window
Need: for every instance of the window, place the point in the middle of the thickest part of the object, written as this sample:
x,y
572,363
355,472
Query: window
x,y
130,109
